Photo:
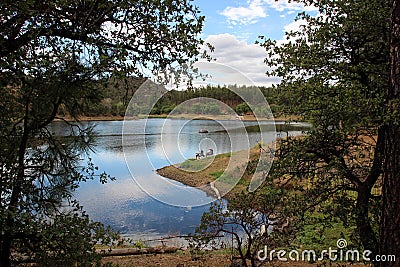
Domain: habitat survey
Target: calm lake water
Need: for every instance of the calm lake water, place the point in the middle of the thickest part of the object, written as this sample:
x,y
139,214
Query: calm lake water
x,y
140,203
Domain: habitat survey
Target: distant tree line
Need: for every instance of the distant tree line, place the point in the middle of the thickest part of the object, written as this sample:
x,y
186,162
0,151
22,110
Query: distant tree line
x,y
224,94
112,98
109,98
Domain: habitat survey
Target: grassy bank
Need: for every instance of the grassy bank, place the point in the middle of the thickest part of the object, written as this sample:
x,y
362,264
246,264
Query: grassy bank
x,y
201,173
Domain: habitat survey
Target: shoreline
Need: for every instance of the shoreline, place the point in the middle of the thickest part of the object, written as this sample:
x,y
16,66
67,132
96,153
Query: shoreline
x,y
208,179
181,116
91,118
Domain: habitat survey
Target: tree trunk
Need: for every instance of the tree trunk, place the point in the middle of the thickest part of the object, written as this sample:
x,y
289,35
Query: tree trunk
x,y
365,231
7,238
390,217
5,251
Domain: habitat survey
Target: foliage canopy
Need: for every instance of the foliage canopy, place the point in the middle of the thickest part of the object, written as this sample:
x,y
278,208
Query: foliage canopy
x,y
50,54
334,73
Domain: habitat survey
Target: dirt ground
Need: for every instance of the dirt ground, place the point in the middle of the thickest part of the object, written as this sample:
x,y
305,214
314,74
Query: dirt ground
x,y
211,260
168,260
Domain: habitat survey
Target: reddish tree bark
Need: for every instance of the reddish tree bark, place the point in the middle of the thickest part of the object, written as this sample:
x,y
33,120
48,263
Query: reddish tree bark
x,y
390,220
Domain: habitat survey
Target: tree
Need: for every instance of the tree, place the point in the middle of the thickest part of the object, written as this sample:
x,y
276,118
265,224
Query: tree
x,y
248,219
52,54
242,108
390,224
334,72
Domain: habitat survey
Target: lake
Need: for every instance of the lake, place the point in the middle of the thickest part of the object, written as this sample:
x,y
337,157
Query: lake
x,y
140,203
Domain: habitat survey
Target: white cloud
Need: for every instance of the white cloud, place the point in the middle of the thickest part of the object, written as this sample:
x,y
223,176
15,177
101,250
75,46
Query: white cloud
x,y
245,15
295,26
247,58
282,5
256,9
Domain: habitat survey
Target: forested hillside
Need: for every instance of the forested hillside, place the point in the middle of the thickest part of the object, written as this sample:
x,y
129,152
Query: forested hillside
x,y
111,98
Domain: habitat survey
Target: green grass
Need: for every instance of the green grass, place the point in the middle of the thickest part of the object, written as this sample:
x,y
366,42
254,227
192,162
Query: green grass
x,y
217,174
195,165
224,155
319,235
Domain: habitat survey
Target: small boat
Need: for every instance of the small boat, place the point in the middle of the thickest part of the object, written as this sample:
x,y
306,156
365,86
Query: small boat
x,y
203,131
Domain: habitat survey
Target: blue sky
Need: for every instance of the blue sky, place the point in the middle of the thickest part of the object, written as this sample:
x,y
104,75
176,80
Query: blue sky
x,y
232,27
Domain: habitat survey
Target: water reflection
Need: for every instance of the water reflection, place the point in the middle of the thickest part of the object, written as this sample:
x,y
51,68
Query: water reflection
x,y
122,203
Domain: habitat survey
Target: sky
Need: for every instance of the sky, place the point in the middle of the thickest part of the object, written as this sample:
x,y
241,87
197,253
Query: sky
x,y
233,26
